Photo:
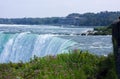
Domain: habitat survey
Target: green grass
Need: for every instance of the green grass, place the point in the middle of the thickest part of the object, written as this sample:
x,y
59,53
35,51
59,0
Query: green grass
x,y
73,65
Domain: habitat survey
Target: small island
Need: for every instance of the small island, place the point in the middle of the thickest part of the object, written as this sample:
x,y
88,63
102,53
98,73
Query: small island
x,y
104,30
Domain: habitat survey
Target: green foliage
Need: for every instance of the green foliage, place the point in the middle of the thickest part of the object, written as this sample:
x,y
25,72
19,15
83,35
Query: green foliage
x,y
103,31
73,65
107,68
86,19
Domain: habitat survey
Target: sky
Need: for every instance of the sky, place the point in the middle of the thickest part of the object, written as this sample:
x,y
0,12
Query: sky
x,y
54,8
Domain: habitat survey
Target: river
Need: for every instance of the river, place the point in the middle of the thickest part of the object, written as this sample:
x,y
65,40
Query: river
x,y
22,42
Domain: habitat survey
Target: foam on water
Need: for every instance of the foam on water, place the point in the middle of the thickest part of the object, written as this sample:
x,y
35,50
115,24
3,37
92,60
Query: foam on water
x,y
23,46
22,42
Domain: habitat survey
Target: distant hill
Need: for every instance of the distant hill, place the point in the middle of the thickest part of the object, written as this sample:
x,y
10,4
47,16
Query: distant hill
x,y
76,19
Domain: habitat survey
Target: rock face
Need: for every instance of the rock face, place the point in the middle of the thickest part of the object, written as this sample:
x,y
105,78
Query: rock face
x,y
89,32
116,44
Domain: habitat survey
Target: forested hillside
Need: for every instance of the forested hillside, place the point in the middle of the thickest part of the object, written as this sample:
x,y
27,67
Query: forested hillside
x,y
86,19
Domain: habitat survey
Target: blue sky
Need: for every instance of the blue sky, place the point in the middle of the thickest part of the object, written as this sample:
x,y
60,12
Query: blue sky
x,y
53,8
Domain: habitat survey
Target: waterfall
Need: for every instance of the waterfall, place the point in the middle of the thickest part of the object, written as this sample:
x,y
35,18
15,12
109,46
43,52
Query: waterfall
x,y
23,46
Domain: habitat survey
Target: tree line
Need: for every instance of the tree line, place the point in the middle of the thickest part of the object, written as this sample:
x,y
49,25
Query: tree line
x,y
87,19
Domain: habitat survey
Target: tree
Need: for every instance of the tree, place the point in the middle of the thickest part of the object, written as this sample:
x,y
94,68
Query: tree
x,y
116,44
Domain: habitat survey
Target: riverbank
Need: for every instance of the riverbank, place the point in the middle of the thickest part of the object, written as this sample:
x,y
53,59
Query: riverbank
x,y
73,65
99,31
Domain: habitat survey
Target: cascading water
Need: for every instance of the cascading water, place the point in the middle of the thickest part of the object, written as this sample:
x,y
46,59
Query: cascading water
x,y
23,46
16,46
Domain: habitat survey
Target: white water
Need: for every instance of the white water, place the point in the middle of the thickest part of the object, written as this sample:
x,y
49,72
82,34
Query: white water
x,y
23,46
22,42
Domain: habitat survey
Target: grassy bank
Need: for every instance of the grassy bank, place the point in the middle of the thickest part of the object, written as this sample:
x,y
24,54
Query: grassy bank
x,y
75,65
103,30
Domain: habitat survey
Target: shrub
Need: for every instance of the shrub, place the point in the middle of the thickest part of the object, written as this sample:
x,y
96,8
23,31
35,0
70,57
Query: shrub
x,y
73,65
